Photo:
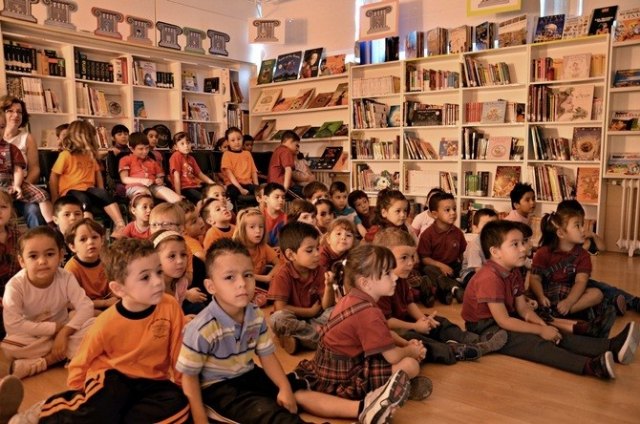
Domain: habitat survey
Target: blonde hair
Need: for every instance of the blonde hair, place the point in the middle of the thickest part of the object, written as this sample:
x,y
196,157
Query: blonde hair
x,y
166,209
240,234
81,138
161,238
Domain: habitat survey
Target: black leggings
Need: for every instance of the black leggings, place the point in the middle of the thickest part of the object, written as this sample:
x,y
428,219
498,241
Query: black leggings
x,y
93,196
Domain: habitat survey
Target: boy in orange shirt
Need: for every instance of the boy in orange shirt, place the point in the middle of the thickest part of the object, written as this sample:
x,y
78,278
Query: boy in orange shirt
x,y
215,213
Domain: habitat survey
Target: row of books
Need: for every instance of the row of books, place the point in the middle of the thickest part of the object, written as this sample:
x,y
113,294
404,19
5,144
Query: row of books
x,y
376,86
294,65
561,103
374,148
92,70
91,101
419,181
480,74
145,73
200,136
271,100
496,112
573,66
625,120
19,57
550,183
378,51
367,180
418,114
584,145
418,149
237,117
36,98
418,79
369,113
476,146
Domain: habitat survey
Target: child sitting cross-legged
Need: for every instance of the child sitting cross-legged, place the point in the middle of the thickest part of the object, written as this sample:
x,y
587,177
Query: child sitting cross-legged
x,y
523,203
140,208
495,299
238,168
40,331
301,289
220,377
445,342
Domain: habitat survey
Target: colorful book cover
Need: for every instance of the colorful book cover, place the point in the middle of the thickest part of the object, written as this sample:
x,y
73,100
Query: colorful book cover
x,y
624,163
499,148
287,67
448,149
302,99
587,185
189,81
266,71
585,144
283,104
625,120
484,36
549,28
577,26
493,112
575,102
267,100
301,130
414,45
138,109
328,129
267,127
321,100
602,20
394,117
513,32
506,179
340,96
459,39
311,63
333,65
627,78
628,25
311,132
576,66
148,73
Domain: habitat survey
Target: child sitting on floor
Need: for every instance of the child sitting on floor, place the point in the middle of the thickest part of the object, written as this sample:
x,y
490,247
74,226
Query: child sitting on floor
x,y
359,201
523,203
337,242
473,258
238,168
339,192
140,208
391,211
218,217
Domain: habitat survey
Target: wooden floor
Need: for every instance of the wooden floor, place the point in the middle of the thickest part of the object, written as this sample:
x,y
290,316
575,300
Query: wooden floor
x,y
496,389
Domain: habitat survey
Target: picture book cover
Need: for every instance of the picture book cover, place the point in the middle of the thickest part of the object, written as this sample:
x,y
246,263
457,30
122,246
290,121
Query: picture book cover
x,y
340,96
426,117
329,158
301,130
484,36
328,129
499,148
211,85
138,109
585,144
493,112
189,81
278,135
287,67
625,120
267,99
266,71
627,78
575,102
302,98
577,26
333,65
283,104
267,127
148,73
549,28
587,185
459,39
394,117
321,100
513,32
311,63
311,132
602,20
576,66
506,179
624,163
628,25
199,111
448,149
343,131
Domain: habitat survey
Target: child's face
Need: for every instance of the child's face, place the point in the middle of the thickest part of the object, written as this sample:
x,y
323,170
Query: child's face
x,y
339,199
307,256
235,141
219,215
184,146
143,286
164,221
141,151
233,283
254,228
247,145
405,260
512,252
86,244
275,201
6,210
446,212
320,194
194,225
63,134
362,206
574,231
217,192
41,258
142,210
527,204
383,286
224,146
482,222
67,216
152,136
340,240
308,217
173,258
121,138
396,213
324,216
291,144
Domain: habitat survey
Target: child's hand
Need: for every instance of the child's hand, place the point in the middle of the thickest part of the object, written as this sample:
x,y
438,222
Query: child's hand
x,y
328,279
446,269
316,308
159,181
422,326
59,348
287,400
564,306
194,295
17,191
545,302
417,350
550,333
243,191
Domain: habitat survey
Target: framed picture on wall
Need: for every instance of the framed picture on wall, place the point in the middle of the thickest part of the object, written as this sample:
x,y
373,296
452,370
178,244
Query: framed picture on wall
x,y
379,20
490,7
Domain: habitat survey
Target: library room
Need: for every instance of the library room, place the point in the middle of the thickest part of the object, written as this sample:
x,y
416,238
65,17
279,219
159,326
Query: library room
x,y
336,211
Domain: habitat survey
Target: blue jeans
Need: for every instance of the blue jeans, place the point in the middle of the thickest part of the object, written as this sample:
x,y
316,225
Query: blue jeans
x,y
31,213
610,292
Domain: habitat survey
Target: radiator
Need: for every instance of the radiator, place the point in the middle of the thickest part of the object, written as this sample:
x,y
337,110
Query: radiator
x,y
629,237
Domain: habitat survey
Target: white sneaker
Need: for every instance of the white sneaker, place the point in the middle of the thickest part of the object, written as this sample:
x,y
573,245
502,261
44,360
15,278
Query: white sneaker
x,y
27,367
628,349
380,404
30,416
11,393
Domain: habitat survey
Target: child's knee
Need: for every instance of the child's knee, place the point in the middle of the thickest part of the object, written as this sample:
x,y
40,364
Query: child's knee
x,y
408,365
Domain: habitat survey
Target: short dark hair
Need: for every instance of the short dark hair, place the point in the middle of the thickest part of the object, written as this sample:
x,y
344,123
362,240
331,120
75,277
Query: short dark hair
x,y
298,207
65,201
337,186
137,138
356,195
61,128
7,101
119,128
232,130
483,212
494,233
312,188
289,135
271,187
43,230
436,198
572,205
293,233
219,248
70,235
247,137
518,192
117,257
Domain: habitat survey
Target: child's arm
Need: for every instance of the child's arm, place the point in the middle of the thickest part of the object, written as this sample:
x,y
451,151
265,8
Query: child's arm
x,y
444,268
288,175
361,230
328,297
254,177
99,181
577,290
191,389
234,181
274,371
204,178
126,179
535,284
299,311
18,178
532,324
411,350
176,182
54,180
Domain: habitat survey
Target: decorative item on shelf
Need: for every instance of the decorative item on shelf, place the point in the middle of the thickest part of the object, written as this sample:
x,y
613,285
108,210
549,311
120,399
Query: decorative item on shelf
x,y
379,20
219,42
107,22
59,13
19,9
139,30
115,109
164,135
266,31
169,35
195,37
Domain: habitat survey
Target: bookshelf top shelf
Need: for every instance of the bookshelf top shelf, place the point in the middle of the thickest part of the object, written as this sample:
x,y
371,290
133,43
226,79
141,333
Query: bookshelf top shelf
x,y
146,87
624,89
600,38
254,85
432,92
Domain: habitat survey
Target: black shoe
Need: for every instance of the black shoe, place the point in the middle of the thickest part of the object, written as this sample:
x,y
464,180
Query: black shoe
x,y
602,366
464,352
494,342
428,300
624,345
446,298
601,325
458,293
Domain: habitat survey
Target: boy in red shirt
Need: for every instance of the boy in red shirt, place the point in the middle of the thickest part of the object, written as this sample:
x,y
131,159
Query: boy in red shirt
x,y
186,175
282,161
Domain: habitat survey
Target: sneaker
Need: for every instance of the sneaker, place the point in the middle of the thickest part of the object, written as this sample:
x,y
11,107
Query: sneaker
x,y
30,416
620,303
420,388
22,368
601,325
602,366
464,352
458,293
493,343
289,344
380,404
11,393
624,345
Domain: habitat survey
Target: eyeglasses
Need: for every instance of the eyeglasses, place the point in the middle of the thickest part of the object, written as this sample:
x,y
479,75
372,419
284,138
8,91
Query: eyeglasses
x,y
164,224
